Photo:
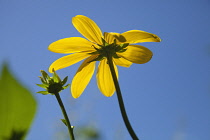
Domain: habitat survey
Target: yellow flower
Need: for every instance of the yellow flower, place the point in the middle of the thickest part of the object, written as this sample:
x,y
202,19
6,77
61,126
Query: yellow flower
x,y
95,48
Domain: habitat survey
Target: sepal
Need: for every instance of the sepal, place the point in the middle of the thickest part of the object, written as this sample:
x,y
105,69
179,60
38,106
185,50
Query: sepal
x,y
104,42
52,85
43,85
65,80
43,92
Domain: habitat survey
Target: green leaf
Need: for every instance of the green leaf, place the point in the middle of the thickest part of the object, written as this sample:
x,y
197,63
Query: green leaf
x,y
64,121
16,135
17,107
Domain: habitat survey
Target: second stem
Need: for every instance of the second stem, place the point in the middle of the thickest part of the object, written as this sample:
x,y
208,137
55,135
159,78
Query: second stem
x,y
65,116
120,99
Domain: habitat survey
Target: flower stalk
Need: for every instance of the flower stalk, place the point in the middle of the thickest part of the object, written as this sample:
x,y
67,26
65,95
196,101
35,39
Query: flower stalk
x,y
54,85
68,124
120,99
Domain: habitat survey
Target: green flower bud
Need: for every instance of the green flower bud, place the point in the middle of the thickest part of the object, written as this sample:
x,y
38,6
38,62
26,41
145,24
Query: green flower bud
x,y
52,85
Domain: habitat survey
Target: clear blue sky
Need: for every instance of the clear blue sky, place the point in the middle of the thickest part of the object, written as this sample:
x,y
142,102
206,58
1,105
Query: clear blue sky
x,y
166,99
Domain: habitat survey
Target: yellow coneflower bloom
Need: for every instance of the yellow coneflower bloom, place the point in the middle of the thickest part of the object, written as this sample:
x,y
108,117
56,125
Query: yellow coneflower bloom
x,y
96,48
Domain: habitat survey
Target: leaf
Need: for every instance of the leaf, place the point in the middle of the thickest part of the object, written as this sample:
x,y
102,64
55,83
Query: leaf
x,y
16,136
64,121
17,107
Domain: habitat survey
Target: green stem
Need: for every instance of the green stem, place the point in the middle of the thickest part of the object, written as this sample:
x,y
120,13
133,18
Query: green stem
x,y
65,116
120,99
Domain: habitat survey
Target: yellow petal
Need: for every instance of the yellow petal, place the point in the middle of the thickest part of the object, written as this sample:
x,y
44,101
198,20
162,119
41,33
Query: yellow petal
x,y
104,78
67,61
110,37
82,77
136,54
71,45
138,36
88,28
122,62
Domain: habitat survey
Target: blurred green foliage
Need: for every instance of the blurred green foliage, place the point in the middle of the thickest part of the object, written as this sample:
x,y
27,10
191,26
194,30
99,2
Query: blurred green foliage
x,y
17,107
88,133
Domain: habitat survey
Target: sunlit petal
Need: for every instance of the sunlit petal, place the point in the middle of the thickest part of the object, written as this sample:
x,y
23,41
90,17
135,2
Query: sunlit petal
x,y
122,62
82,77
104,78
110,37
88,28
67,61
71,45
138,36
136,54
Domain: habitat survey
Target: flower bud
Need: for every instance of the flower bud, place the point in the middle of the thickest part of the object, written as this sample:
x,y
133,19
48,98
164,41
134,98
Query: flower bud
x,y
52,85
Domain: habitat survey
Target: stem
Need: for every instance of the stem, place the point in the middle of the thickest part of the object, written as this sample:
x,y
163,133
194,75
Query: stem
x,y
120,99
65,116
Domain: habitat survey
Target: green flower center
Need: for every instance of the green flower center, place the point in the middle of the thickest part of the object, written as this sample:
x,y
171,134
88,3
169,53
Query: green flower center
x,y
106,50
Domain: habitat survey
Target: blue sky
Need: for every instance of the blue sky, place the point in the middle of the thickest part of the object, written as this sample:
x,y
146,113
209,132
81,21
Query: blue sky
x,y
167,98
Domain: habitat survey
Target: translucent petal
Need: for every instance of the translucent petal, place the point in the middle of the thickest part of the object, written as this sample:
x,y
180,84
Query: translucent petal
x,y
67,61
82,77
88,28
71,45
136,54
122,62
110,37
104,78
138,36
